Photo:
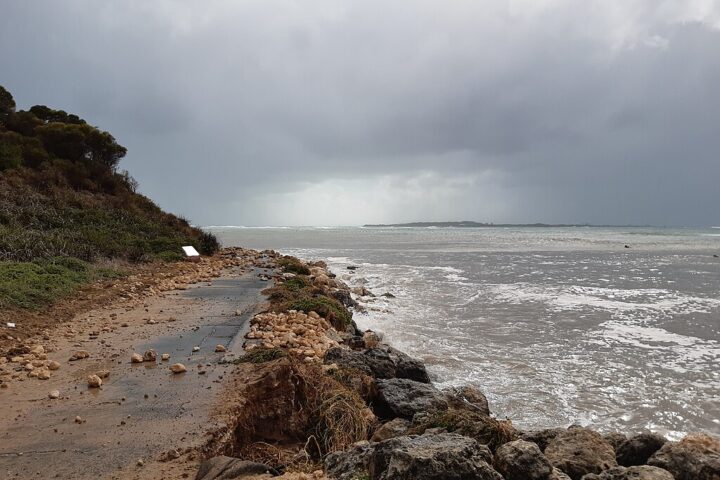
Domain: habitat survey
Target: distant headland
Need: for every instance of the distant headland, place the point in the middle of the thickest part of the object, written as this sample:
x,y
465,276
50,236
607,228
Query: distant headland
x,y
469,224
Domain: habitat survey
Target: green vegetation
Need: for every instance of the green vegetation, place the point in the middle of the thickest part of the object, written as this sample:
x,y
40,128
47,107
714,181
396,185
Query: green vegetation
x,y
38,283
63,196
261,355
326,307
298,293
293,265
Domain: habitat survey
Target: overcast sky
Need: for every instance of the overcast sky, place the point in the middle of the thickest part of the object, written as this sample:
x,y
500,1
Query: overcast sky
x,y
340,113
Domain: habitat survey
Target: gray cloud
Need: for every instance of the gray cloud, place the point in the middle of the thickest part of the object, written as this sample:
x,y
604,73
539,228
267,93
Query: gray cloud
x,y
331,112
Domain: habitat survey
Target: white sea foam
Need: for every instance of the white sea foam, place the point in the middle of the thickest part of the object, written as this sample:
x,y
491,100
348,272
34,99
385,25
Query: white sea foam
x,y
645,301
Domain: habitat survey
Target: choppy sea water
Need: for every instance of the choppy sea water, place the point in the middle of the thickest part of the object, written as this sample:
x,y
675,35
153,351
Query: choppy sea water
x,y
555,325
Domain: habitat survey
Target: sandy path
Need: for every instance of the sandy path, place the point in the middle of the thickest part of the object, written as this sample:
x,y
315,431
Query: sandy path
x,y
142,410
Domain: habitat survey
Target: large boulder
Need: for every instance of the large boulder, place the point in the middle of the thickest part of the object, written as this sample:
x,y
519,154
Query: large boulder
x,y
401,397
467,398
643,472
637,449
615,439
695,457
542,437
379,362
408,367
445,456
521,460
228,468
558,475
579,451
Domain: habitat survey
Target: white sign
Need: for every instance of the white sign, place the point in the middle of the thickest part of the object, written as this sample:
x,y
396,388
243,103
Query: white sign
x,y
190,251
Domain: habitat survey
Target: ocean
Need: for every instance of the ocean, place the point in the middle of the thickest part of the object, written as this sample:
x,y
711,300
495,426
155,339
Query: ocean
x,y
555,325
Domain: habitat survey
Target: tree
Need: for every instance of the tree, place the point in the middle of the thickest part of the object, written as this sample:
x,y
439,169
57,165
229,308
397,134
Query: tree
x,y
79,142
23,123
10,156
7,103
48,115
63,140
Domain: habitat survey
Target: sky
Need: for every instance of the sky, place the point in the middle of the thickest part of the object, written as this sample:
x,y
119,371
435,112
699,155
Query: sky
x,y
335,112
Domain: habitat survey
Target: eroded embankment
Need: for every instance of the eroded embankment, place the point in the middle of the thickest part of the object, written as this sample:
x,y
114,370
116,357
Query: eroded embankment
x,y
314,397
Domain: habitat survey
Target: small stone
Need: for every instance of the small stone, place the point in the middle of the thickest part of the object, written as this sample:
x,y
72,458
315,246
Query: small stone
x,y
140,462
103,373
53,365
37,350
79,419
220,348
94,381
165,357
150,356
178,368
54,394
79,355
136,358
196,349
43,373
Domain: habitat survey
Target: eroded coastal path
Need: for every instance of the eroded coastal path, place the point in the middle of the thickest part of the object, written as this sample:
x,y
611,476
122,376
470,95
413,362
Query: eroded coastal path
x,y
143,414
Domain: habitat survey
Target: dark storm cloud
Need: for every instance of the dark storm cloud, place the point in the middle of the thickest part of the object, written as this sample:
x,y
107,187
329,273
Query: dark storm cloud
x,y
351,112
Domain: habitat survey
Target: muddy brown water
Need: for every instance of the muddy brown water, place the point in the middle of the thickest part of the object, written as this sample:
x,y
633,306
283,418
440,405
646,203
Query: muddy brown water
x,y
142,410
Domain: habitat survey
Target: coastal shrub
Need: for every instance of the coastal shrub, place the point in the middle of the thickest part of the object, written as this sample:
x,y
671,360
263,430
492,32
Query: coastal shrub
x,y
293,265
483,428
208,243
170,256
32,285
261,355
329,308
296,284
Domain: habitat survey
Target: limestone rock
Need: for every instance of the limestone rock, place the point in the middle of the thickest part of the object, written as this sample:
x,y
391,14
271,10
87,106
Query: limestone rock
x,y
695,457
522,460
643,472
379,363
542,437
401,397
79,355
103,373
558,475
165,357
54,394
178,368
615,439
467,398
37,350
220,348
149,356
371,339
136,358
227,468
196,349
53,365
636,450
42,373
445,456
394,428
579,451
94,381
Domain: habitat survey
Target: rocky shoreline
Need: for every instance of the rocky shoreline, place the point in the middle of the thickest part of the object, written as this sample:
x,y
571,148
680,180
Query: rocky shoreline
x,y
330,401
